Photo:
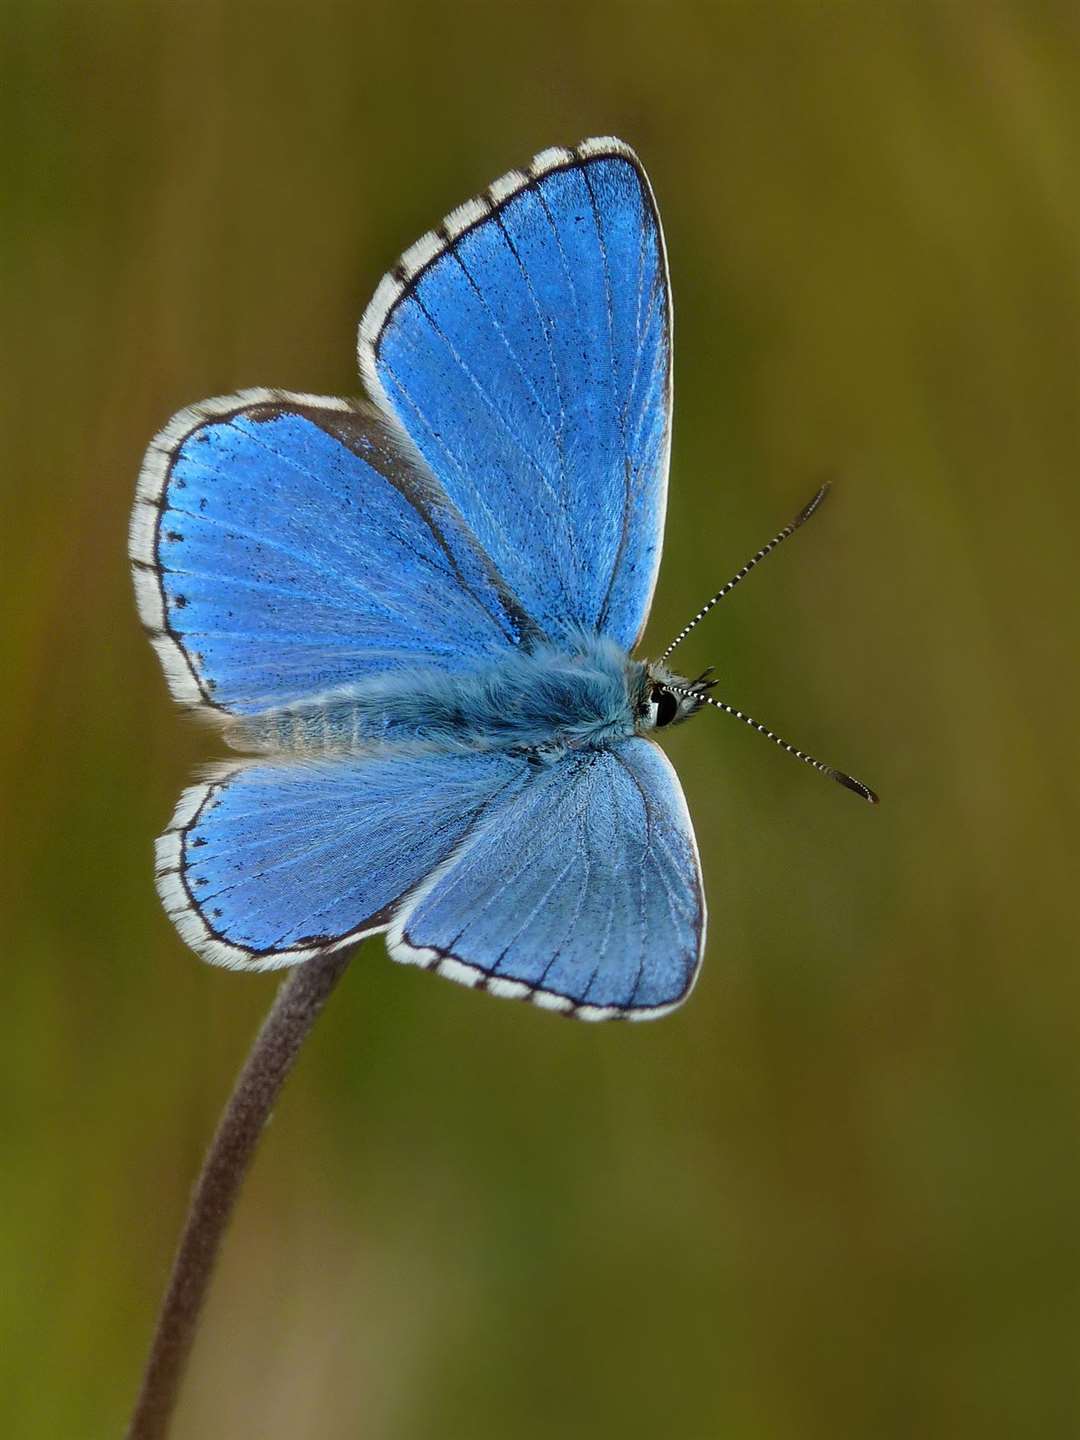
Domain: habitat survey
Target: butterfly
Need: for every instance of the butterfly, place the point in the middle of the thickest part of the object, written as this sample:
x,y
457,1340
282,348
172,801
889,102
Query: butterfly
x,y
415,616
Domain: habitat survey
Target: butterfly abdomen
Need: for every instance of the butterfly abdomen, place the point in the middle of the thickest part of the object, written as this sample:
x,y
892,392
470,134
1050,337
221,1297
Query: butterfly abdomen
x,y
574,697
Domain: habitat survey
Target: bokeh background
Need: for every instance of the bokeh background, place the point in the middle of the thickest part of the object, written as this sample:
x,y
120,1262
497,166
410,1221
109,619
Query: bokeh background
x,y
838,1194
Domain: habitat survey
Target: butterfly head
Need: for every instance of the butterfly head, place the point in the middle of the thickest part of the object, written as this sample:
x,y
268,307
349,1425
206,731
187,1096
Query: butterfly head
x,y
665,698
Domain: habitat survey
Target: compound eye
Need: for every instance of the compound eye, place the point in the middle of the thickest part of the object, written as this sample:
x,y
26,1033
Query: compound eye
x,y
667,707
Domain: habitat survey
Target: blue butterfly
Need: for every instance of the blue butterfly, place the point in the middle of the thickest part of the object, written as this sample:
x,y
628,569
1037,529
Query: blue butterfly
x,y
415,616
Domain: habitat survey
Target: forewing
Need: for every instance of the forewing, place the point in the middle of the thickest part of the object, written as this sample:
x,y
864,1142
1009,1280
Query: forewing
x,y
525,346
270,864
282,545
580,891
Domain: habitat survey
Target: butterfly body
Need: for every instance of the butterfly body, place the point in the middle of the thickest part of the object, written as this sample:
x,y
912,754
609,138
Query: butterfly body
x,y
418,615
590,694
528,699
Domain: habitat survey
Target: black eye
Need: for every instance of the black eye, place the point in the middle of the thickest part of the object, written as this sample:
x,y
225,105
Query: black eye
x,y
667,707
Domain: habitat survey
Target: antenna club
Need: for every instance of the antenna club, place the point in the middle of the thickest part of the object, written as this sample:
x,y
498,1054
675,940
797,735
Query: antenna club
x,y
808,510
850,783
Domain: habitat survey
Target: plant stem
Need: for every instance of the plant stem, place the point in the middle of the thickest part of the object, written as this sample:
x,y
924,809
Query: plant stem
x,y
295,1009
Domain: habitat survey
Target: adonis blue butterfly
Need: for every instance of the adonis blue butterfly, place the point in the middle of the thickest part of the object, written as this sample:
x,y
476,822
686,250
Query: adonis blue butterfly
x,y
415,615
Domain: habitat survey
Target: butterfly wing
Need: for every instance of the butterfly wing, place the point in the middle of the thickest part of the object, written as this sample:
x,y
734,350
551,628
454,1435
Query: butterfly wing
x,y
575,885
269,864
525,347
281,545
580,891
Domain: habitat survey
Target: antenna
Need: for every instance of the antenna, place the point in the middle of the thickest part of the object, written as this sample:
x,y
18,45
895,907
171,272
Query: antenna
x,y
848,781
800,519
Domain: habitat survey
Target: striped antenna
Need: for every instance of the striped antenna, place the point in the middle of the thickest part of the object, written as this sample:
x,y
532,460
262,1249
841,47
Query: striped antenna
x,y
800,519
841,778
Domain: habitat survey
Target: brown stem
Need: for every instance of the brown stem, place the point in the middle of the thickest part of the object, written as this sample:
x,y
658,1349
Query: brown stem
x,y
295,1009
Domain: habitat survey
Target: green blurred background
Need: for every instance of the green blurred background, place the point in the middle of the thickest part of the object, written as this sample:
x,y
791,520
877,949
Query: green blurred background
x,y
838,1194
